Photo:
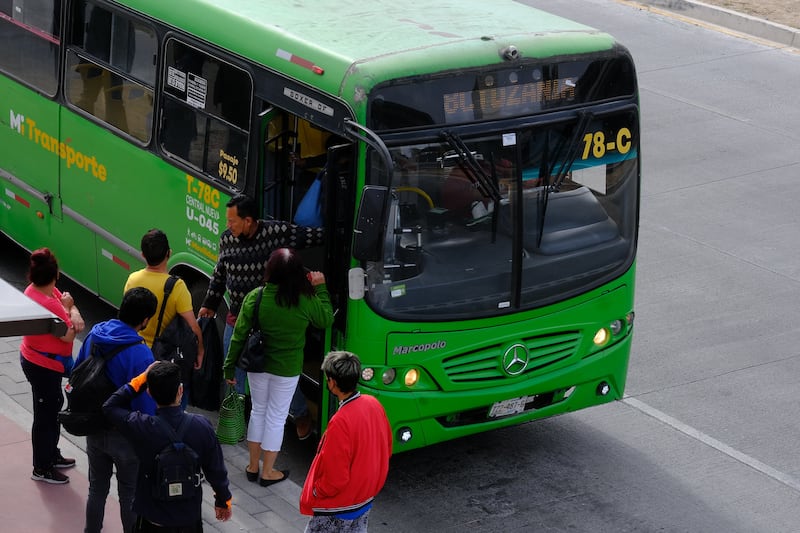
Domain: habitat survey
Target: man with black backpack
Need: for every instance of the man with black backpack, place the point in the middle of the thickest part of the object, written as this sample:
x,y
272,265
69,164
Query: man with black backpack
x,y
176,451
174,319
106,447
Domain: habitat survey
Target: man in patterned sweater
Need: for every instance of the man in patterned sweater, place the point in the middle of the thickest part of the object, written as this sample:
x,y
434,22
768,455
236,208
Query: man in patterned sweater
x,y
244,249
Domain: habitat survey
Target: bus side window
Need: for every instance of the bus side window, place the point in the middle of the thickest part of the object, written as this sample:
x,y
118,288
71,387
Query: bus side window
x,y
110,69
206,113
30,42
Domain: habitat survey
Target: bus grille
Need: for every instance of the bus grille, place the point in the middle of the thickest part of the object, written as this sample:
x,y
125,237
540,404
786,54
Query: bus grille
x,y
484,364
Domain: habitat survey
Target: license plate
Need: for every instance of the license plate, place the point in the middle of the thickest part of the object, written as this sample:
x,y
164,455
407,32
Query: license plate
x,y
508,407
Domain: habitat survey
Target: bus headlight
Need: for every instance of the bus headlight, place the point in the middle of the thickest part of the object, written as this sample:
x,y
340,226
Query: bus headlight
x,y
616,327
388,376
601,337
367,373
411,378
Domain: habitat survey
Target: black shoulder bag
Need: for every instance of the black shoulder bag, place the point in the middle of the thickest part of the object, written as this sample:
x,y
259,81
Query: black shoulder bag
x,y
253,358
177,343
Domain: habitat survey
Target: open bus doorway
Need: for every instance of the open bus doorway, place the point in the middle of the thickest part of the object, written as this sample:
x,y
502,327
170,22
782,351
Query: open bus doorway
x,y
293,155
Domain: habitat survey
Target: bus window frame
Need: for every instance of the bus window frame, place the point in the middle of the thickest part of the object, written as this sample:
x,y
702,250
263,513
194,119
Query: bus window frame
x,y
56,39
88,58
245,176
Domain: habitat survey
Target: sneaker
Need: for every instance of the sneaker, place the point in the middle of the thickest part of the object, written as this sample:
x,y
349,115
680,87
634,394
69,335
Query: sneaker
x,y
49,476
63,462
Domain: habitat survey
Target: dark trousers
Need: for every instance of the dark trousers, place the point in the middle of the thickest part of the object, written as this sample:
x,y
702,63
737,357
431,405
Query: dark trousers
x,y
107,450
143,526
48,399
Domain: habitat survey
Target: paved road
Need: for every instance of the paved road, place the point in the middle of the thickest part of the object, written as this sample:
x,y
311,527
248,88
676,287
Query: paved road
x,y
706,439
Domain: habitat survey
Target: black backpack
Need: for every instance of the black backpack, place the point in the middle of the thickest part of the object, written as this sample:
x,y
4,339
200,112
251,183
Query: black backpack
x,y
87,390
176,473
176,342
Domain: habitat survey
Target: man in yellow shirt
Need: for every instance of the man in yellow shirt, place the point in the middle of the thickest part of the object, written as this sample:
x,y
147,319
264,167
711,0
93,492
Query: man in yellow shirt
x,y
156,252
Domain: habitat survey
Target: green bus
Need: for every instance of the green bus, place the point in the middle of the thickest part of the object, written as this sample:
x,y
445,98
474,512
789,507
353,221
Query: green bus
x,y
478,165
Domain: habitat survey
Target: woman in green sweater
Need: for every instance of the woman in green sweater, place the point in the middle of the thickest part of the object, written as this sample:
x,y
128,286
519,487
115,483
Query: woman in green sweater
x,y
292,300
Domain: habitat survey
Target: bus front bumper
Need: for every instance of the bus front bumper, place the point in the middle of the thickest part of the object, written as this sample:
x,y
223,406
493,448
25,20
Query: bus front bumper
x,y
420,419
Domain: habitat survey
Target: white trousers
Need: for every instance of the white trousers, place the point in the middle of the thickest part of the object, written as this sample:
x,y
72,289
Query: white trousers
x,y
271,396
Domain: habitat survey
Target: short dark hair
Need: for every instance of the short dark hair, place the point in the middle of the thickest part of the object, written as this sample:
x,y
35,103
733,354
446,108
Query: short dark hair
x,y
163,381
344,368
155,246
245,206
137,304
43,267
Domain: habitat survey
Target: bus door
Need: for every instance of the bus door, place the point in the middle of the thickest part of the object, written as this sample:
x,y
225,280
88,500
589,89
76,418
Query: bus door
x,y
283,181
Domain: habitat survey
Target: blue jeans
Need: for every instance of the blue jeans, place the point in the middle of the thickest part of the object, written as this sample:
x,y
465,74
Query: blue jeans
x,y
332,524
298,407
106,450
47,402
241,375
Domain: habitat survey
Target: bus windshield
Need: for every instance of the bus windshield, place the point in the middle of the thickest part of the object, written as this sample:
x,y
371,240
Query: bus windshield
x,y
484,223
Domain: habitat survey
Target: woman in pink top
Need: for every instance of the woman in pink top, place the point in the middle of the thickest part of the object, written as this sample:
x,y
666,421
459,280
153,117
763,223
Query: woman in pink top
x,y
45,360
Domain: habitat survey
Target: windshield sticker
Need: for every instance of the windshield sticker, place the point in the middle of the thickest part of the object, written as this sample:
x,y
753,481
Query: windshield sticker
x,y
398,290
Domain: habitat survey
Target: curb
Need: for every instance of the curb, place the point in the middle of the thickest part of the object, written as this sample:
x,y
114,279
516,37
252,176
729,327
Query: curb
x,y
740,22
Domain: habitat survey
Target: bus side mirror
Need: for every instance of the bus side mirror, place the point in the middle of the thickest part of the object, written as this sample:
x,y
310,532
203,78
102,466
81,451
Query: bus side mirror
x,y
369,229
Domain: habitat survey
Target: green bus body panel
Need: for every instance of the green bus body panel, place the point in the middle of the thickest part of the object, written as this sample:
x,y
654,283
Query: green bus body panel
x,y
477,347
20,111
380,40
105,194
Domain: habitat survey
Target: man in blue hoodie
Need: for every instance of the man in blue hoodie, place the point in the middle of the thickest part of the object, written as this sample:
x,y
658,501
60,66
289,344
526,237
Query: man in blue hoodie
x,y
108,449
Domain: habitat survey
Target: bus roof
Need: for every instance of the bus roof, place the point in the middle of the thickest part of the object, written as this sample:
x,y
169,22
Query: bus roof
x,y
371,41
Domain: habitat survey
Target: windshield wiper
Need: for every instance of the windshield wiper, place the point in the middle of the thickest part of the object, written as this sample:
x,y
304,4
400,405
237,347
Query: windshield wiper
x,y
472,168
563,169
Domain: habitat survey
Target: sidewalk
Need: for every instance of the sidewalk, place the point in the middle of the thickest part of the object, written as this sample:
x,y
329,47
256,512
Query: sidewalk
x,y
29,506
732,20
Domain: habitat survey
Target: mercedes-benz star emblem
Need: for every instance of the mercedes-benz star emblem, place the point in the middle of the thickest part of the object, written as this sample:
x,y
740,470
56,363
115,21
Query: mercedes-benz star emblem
x,y
515,360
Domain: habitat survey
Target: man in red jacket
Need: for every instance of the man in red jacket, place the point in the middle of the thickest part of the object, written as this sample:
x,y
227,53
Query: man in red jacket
x,y
352,459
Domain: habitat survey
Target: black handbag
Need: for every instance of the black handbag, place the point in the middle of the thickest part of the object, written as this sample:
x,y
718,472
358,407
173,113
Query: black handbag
x,y
253,358
177,342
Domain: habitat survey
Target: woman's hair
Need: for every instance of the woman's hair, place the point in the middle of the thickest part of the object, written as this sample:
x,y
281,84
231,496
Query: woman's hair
x,y
43,267
285,269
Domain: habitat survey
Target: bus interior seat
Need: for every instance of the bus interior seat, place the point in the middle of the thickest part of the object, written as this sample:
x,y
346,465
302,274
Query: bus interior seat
x,y
131,109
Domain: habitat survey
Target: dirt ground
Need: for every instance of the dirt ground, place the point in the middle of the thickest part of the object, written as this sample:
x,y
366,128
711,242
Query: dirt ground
x,y
786,12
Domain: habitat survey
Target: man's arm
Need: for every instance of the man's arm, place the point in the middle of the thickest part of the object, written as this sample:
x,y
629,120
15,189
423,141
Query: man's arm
x,y
217,283
118,407
287,234
192,321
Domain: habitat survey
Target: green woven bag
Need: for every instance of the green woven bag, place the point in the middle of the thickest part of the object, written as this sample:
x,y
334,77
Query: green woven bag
x,y
231,426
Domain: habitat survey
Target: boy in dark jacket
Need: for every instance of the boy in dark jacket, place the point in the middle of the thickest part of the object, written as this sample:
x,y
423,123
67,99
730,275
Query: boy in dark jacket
x,y
163,381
